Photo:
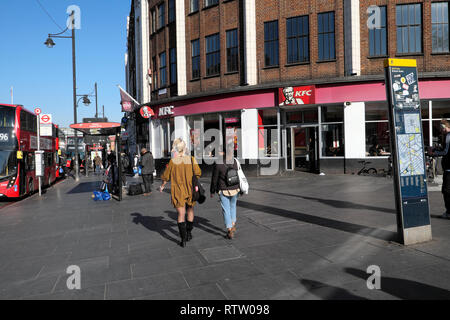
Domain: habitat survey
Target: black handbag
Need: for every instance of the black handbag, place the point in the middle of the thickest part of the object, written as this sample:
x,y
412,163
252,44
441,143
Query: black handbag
x,y
198,192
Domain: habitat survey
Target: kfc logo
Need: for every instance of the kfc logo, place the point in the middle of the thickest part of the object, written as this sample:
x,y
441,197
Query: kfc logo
x,y
291,96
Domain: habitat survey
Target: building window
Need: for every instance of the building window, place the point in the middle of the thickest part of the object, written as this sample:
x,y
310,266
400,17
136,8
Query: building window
x,y
155,73
153,13
213,55
171,11
209,3
268,133
232,51
327,49
378,37
409,28
162,69
271,43
332,131
173,65
195,45
194,6
439,20
297,34
377,129
161,15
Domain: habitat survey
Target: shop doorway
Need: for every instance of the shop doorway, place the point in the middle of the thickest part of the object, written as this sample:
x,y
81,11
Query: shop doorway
x,y
303,148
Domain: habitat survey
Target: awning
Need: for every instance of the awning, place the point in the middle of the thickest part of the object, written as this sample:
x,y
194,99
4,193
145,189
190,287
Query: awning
x,y
97,128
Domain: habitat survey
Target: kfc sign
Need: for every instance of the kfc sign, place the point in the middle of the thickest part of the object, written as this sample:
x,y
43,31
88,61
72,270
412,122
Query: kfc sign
x,y
292,96
165,111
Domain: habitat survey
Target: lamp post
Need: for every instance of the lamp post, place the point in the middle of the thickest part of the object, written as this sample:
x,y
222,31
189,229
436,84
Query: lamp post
x,y
86,102
50,44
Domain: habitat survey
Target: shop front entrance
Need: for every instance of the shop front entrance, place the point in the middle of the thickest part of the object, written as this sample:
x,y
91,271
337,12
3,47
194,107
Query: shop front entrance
x,y
302,148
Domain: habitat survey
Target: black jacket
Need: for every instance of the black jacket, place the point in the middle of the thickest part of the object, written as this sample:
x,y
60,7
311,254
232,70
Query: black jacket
x,y
147,163
444,153
218,179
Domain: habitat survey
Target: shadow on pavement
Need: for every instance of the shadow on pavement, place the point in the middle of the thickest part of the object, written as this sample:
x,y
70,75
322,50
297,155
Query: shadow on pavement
x,y
335,203
200,223
324,222
86,187
157,224
327,292
405,289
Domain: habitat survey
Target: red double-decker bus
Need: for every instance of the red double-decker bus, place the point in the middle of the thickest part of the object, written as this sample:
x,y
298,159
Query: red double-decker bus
x,y
18,143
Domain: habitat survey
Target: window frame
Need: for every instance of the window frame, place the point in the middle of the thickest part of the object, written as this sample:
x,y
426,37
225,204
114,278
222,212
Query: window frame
x,y
173,66
195,60
443,24
408,27
162,70
232,51
197,6
213,53
326,34
272,43
161,17
378,35
299,39
171,11
210,3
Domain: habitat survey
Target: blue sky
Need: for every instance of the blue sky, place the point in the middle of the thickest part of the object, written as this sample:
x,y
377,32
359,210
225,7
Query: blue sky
x,y
42,77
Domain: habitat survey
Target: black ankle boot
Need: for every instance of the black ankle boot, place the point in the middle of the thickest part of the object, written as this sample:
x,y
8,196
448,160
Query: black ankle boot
x,y
183,233
189,227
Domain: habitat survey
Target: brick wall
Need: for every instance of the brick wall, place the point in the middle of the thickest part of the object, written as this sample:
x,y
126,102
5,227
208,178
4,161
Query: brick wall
x,y
426,62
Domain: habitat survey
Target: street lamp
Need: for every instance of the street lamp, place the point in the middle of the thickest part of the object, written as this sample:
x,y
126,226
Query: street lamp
x,y
50,44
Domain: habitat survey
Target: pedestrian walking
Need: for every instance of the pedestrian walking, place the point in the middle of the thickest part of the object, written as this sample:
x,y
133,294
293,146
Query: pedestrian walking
x,y
125,165
180,172
445,153
148,166
225,182
98,164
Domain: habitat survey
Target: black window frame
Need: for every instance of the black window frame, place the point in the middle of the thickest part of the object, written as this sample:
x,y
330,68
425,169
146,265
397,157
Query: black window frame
x,y
173,65
210,3
328,35
401,27
212,54
155,72
232,50
195,55
161,17
271,43
162,70
300,37
379,36
153,23
193,8
171,11
437,24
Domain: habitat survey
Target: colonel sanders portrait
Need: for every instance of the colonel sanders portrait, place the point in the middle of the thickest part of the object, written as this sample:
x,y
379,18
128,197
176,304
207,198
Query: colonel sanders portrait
x,y
289,97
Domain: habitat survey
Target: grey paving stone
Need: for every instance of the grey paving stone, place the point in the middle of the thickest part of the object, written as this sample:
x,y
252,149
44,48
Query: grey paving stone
x,y
145,286
20,289
232,270
92,293
219,254
204,293
162,266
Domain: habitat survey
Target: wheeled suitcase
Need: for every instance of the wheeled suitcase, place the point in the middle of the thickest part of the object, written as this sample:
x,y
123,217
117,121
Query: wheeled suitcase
x,y
135,189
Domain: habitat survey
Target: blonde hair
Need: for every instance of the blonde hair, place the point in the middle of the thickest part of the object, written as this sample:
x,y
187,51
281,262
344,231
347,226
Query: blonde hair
x,y
179,146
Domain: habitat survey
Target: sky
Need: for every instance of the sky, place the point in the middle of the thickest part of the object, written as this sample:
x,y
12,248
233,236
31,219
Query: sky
x,y
42,77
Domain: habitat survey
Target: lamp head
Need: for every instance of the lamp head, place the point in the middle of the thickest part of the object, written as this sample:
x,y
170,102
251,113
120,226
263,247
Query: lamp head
x,y
86,101
49,43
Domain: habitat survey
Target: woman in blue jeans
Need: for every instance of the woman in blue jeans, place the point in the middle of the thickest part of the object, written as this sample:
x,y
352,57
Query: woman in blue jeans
x,y
228,192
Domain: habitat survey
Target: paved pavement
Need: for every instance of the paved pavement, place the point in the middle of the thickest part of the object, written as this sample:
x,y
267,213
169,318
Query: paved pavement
x,y
299,237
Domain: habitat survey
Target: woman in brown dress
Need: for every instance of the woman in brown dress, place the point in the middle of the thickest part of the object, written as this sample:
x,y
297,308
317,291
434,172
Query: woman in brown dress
x,y
180,172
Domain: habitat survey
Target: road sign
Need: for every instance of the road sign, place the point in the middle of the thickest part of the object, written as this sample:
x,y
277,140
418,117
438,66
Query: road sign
x,y
46,119
410,182
37,111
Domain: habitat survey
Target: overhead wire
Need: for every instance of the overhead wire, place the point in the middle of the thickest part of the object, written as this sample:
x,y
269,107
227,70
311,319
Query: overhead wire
x,y
49,15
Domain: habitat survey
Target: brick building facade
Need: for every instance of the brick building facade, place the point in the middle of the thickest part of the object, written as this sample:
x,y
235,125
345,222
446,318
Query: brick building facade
x,y
334,49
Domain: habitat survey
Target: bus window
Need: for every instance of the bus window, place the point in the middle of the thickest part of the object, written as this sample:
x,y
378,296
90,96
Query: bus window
x,y
8,164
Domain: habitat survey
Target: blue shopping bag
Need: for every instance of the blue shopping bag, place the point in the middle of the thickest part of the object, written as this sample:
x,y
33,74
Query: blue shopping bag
x,y
98,196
